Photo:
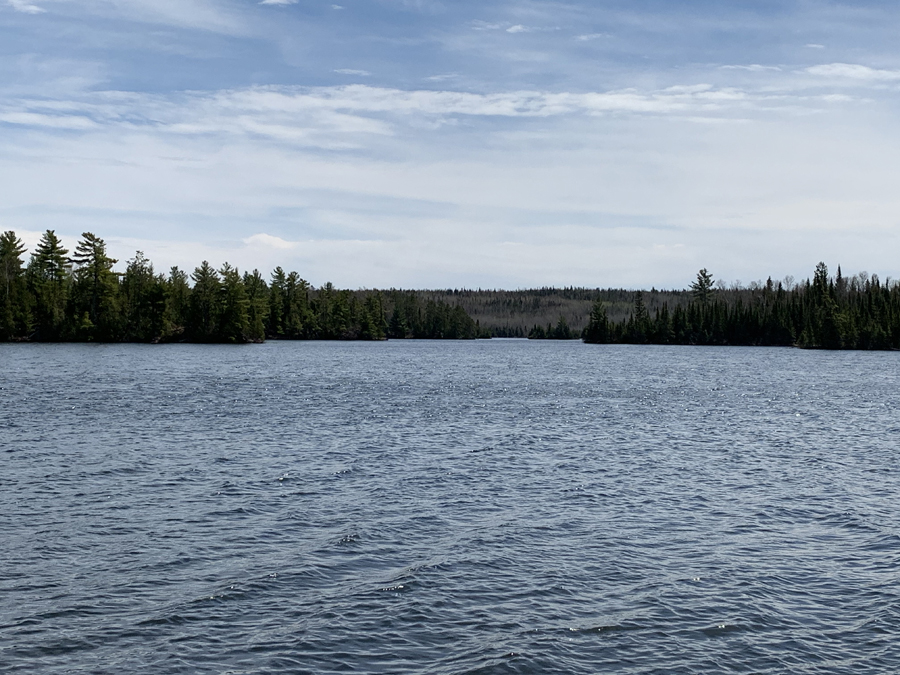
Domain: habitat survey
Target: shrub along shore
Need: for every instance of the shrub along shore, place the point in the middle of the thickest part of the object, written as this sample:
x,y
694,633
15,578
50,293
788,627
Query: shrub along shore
x,y
77,296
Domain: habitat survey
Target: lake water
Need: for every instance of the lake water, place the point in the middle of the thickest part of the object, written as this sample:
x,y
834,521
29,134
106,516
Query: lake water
x,y
448,507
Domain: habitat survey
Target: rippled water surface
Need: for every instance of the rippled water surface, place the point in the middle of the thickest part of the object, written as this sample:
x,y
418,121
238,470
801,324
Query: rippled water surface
x,y
426,507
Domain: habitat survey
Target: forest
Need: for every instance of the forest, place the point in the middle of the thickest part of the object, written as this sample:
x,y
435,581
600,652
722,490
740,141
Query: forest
x,y
58,295
859,312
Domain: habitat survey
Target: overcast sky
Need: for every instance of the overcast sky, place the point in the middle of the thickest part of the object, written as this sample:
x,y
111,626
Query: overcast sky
x,y
417,143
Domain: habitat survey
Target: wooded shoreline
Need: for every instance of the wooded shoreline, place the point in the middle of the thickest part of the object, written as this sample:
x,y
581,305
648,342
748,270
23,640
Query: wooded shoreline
x,y
61,297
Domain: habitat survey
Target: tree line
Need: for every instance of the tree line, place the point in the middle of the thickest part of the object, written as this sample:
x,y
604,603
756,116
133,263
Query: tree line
x,y
58,296
825,313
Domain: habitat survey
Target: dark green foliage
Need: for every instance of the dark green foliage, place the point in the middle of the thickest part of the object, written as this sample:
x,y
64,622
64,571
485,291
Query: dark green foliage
x,y
49,282
95,291
257,310
233,307
49,301
702,288
859,313
428,320
597,331
143,302
15,316
178,302
205,305
559,332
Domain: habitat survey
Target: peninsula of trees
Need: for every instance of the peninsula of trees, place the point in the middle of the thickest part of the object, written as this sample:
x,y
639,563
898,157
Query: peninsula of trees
x,y
77,296
60,296
827,313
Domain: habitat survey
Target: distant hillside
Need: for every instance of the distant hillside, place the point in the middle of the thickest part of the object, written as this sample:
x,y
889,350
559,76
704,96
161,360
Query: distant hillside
x,y
515,313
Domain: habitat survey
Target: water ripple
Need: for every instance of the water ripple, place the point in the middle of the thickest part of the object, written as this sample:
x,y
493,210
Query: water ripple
x,y
413,507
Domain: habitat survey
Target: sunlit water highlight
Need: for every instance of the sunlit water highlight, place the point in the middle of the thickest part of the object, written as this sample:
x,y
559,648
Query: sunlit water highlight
x,y
426,507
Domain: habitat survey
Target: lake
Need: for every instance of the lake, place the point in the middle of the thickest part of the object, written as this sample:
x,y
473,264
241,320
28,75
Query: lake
x,y
502,506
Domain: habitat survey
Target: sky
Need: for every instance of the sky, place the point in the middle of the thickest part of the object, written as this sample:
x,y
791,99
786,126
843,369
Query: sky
x,y
432,144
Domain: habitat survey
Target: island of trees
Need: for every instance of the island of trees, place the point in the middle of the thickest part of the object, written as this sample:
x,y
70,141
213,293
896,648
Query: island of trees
x,y
60,295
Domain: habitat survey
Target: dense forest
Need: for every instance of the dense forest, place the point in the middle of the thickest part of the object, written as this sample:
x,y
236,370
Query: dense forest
x,y
826,313
58,296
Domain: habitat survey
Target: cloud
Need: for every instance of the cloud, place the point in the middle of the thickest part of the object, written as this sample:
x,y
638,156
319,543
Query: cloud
x,y
518,28
208,15
343,117
590,36
71,122
337,7
486,25
25,7
813,45
278,2
352,71
269,241
853,71
753,68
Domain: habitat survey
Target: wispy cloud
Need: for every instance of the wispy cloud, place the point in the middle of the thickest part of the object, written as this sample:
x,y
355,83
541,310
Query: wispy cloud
x,y
813,45
352,71
590,36
25,7
478,24
852,71
753,68
342,117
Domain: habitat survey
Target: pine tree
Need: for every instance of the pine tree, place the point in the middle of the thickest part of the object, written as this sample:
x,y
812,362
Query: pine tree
x,y
143,300
48,276
178,303
258,296
234,307
205,305
96,290
702,288
14,309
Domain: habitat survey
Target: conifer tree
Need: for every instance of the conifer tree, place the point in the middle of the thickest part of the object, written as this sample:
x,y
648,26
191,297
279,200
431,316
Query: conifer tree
x,y
96,290
48,276
205,305
258,310
14,310
702,288
143,299
234,307
178,302
597,330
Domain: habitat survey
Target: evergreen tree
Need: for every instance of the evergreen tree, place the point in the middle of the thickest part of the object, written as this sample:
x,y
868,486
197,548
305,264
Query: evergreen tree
x,y
702,288
14,305
277,304
234,307
48,279
143,297
597,330
178,302
96,289
205,305
258,310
